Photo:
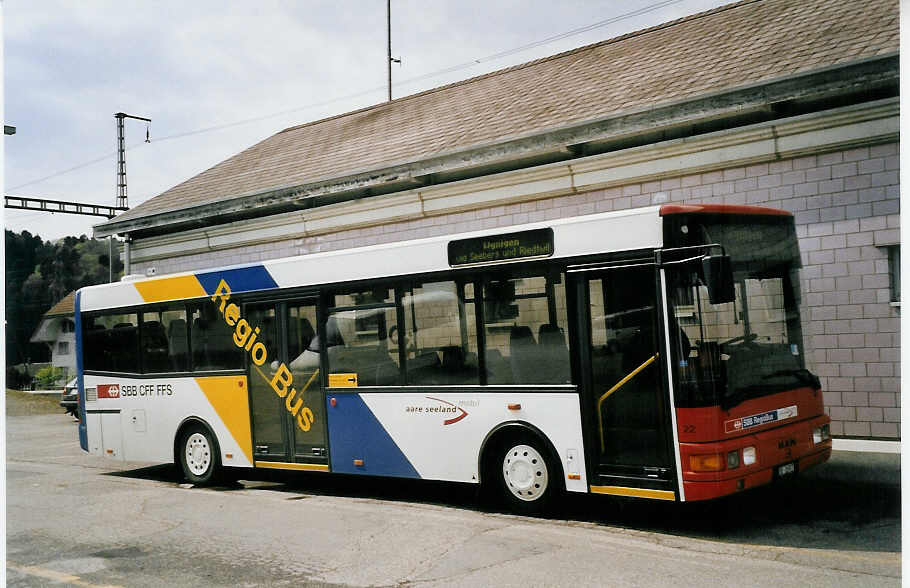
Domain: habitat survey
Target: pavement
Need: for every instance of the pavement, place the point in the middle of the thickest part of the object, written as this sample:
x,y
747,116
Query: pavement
x,y
78,519
859,467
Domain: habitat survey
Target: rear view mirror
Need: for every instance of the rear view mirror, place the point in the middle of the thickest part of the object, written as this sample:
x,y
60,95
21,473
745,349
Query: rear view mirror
x,y
718,274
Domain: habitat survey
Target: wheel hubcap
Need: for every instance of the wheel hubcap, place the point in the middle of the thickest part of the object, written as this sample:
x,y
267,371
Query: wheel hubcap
x,y
198,454
525,472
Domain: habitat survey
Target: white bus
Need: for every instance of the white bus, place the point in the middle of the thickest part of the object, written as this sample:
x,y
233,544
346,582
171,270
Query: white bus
x,y
652,353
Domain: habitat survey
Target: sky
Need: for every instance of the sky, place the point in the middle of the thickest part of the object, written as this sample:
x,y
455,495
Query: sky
x,y
218,77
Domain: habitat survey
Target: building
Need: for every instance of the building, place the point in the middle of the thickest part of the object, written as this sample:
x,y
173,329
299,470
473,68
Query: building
x,y
58,331
772,102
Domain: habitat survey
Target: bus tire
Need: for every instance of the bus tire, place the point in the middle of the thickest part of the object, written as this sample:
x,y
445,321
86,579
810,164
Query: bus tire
x,y
523,474
199,455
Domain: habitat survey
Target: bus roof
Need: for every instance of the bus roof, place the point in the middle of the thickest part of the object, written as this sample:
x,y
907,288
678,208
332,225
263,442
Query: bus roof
x,y
668,209
617,231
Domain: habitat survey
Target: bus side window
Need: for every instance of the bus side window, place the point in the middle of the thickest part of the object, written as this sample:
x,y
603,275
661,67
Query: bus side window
x,y
524,334
363,327
111,343
211,341
163,341
440,334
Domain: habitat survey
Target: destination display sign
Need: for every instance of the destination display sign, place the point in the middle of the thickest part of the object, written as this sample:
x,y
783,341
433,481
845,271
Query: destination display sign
x,y
505,247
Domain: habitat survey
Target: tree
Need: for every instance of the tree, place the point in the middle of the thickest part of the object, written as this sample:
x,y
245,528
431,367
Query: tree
x,y
38,275
24,306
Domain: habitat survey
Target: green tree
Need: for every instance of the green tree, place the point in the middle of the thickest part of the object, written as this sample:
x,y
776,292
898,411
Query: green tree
x,y
38,275
24,306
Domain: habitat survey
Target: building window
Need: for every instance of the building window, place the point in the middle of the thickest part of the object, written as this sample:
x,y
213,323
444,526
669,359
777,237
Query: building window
x,y
894,271
68,326
63,348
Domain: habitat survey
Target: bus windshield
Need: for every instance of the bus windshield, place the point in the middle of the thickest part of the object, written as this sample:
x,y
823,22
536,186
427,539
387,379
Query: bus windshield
x,y
749,347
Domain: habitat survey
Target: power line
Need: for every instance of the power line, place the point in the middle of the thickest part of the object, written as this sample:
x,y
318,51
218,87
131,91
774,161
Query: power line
x,y
535,44
450,69
72,169
447,70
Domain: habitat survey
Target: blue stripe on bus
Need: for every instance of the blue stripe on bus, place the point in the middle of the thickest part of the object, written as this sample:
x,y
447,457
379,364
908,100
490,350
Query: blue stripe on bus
x,y
80,383
244,279
356,433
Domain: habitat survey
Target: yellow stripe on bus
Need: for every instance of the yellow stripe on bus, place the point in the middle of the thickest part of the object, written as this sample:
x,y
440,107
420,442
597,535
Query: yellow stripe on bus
x,y
164,289
634,492
228,396
279,465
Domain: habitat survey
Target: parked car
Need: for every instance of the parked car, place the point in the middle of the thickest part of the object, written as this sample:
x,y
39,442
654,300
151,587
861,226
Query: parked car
x,y
70,399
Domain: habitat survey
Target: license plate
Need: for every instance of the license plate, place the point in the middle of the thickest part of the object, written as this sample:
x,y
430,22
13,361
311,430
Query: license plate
x,y
788,469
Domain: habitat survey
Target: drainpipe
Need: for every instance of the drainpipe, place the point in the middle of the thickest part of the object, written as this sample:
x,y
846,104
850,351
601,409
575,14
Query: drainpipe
x,y
126,255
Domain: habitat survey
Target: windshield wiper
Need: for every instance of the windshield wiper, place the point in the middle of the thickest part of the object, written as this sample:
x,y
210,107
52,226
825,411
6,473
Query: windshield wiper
x,y
802,374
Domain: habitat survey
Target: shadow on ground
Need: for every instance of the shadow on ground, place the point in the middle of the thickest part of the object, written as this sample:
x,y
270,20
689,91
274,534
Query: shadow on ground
x,y
806,512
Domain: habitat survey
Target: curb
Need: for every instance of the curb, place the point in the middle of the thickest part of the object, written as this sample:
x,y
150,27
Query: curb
x,y
866,445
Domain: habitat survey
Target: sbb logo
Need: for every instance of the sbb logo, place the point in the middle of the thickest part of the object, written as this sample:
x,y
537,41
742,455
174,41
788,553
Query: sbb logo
x,y
108,390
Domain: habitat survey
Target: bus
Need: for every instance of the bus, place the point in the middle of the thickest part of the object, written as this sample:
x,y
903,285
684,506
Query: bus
x,y
654,353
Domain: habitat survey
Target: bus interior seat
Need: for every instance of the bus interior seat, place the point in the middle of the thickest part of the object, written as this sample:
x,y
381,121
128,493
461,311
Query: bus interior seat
x,y
554,355
307,334
177,344
197,340
333,333
453,358
124,344
153,333
424,368
522,347
372,366
498,369
154,346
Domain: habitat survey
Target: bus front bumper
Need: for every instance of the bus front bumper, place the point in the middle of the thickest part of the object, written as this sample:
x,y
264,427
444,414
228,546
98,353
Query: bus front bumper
x,y
779,453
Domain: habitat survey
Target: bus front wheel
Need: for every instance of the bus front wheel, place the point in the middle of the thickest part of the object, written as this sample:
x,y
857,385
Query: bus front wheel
x,y
525,476
198,455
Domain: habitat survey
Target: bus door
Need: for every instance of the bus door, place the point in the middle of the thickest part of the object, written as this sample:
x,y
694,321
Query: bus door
x,y
287,401
624,387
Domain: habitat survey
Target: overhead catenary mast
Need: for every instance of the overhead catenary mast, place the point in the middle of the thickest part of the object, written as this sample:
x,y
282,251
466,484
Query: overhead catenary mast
x,y
390,59
121,178
121,156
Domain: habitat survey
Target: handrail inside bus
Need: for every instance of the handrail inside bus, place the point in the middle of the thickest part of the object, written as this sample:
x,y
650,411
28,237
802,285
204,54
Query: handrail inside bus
x,y
616,387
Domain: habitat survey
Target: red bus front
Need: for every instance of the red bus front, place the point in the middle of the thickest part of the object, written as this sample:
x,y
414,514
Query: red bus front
x,y
748,410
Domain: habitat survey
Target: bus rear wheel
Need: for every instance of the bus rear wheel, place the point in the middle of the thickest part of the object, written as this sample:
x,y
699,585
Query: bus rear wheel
x,y
198,453
525,475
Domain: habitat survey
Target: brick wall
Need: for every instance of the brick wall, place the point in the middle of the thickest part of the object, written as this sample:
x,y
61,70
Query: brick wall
x,y
846,206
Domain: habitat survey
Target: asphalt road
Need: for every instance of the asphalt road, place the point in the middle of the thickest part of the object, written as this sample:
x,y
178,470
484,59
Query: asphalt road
x,y
78,520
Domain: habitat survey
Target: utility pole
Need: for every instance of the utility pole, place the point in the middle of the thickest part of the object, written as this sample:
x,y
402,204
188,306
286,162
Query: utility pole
x,y
388,13
121,175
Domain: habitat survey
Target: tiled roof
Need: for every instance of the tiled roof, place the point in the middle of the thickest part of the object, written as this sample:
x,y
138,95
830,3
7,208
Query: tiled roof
x,y
729,47
66,306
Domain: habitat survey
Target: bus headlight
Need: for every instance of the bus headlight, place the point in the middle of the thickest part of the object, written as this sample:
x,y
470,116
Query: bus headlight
x,y
821,434
733,460
748,456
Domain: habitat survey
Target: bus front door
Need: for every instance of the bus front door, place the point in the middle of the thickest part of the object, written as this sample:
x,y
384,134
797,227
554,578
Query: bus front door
x,y
286,397
625,393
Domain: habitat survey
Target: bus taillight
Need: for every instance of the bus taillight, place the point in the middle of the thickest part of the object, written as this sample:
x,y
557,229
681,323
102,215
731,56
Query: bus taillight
x,y
712,462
